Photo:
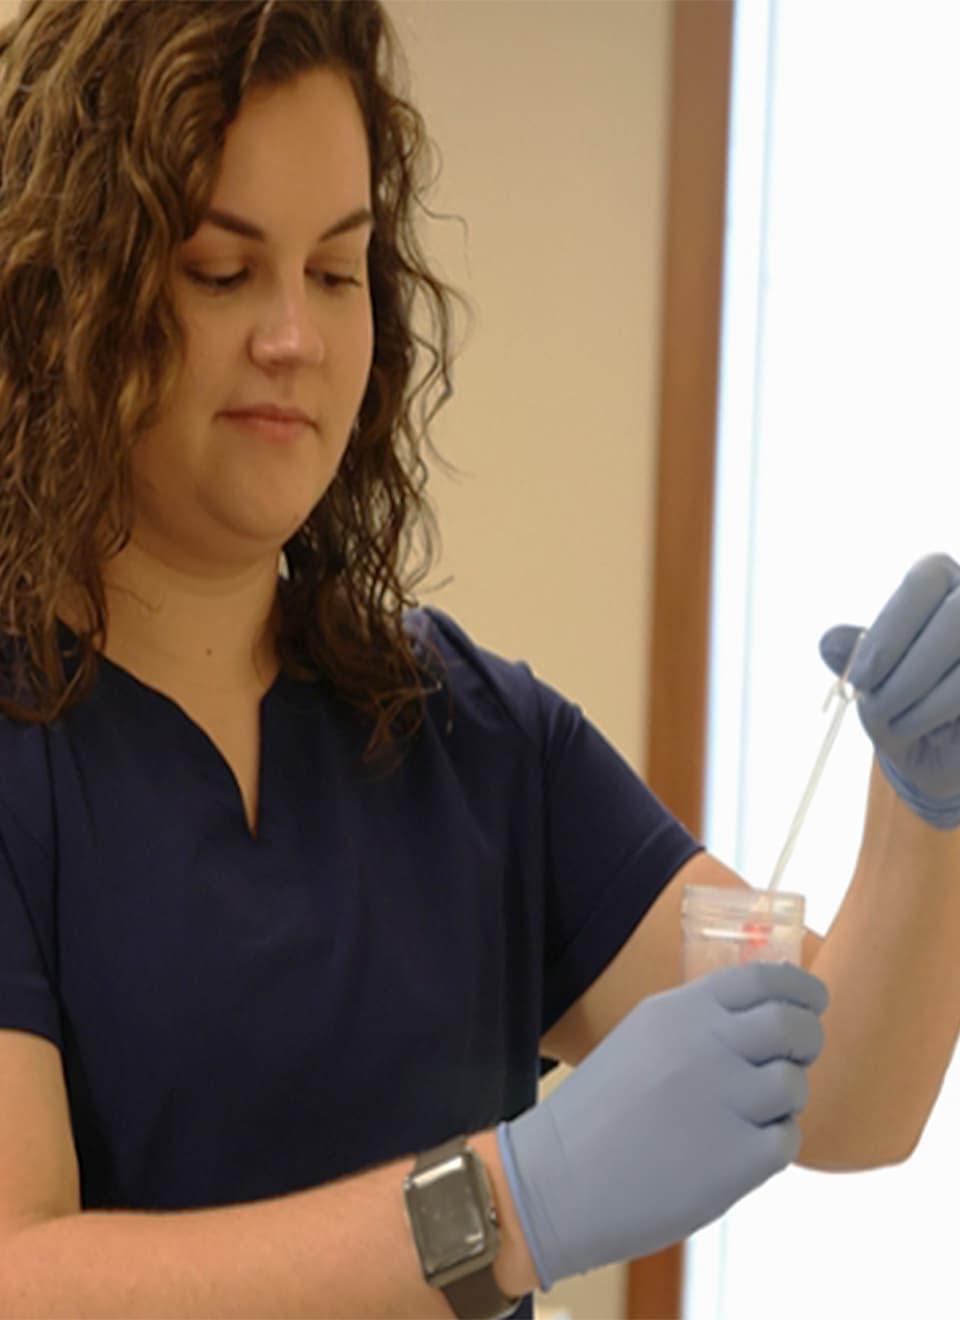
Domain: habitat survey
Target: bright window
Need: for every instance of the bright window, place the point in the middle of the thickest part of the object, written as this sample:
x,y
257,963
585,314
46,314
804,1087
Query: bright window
x,y
839,467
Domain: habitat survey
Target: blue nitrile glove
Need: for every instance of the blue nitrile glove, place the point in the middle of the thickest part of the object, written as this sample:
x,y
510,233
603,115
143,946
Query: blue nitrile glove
x,y
683,1108
907,673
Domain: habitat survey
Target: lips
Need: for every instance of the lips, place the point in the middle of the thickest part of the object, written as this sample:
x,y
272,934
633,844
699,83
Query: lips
x,y
271,413
268,428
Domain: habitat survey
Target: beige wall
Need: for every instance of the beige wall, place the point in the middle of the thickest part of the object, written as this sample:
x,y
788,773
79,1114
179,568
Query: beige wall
x,y
551,121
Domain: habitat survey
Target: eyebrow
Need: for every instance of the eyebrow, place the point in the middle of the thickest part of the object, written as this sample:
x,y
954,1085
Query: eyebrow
x,y
247,229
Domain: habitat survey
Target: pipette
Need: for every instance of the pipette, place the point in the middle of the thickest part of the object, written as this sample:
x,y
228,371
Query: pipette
x,y
845,693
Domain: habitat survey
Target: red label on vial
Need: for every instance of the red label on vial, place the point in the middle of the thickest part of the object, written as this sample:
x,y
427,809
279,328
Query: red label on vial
x,y
757,935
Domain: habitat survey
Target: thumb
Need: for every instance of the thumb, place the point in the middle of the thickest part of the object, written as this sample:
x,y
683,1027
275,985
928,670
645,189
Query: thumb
x,y
836,645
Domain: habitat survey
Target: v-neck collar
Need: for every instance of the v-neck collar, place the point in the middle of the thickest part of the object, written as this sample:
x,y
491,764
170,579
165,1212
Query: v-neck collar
x,y
280,684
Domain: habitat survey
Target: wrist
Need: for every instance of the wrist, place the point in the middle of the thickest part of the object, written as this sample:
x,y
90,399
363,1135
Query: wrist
x,y
513,1268
941,813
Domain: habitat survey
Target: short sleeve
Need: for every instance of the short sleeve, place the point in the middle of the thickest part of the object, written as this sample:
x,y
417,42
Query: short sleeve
x,y
611,849
608,845
28,1000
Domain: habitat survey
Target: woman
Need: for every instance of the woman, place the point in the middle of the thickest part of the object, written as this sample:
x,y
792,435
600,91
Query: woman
x,y
299,884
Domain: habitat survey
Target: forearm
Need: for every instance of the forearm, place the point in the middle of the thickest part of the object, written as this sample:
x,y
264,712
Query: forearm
x,y
341,1250
891,960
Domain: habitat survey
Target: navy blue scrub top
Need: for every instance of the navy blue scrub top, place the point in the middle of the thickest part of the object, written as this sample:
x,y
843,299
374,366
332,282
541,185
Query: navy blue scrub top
x,y
241,1018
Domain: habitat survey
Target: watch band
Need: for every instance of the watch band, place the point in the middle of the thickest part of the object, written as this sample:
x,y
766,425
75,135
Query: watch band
x,y
476,1296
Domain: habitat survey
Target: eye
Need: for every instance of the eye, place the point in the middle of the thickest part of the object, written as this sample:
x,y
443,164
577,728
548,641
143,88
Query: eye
x,y
223,283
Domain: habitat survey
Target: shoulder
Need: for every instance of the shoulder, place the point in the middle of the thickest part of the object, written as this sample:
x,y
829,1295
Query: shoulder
x,y
480,681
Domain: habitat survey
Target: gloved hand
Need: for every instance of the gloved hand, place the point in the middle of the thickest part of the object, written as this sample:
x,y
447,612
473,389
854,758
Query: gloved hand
x,y
683,1108
908,674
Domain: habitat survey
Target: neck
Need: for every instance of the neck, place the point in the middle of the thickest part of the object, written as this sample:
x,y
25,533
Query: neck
x,y
208,635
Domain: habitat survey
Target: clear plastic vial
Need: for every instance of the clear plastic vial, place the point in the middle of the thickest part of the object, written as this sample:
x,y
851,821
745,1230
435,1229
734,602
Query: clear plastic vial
x,y
724,927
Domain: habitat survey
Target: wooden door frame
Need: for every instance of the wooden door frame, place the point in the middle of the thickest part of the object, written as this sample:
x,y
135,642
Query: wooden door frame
x,y
701,59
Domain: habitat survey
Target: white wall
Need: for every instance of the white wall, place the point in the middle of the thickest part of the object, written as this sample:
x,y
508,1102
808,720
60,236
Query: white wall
x,y
838,469
551,121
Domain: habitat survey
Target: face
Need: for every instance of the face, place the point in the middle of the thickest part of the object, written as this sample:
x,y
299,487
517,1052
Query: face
x,y
293,326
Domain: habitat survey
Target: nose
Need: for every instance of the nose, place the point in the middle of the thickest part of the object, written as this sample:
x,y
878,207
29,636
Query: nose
x,y
291,329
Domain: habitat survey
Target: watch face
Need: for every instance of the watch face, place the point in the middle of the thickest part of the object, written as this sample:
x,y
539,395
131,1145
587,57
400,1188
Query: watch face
x,y
451,1226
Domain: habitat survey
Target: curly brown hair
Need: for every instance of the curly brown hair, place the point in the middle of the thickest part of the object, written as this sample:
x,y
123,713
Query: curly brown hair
x,y
113,117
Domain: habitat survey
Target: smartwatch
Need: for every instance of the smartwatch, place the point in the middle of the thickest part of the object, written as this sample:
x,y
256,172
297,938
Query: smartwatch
x,y
451,1212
